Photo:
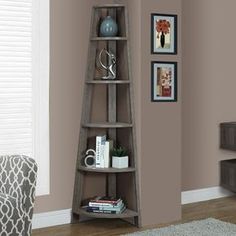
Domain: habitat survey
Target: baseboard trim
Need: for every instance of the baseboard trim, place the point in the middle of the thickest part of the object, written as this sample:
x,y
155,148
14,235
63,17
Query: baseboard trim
x,y
61,217
204,194
53,218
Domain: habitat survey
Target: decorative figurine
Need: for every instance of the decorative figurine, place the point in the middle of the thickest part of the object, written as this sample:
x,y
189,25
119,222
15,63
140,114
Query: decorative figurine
x,y
111,74
90,158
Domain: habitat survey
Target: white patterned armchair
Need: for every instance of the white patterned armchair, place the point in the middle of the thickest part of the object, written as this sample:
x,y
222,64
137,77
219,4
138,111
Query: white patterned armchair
x,y
17,195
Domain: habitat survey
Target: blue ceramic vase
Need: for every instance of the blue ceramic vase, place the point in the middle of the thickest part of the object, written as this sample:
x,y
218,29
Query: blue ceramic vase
x,y
108,27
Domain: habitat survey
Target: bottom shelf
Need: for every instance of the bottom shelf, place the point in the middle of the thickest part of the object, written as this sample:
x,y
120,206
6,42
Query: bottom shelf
x,y
126,214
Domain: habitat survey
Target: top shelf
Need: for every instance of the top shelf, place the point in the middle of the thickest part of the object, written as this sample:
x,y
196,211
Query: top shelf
x,y
109,38
108,125
110,6
108,82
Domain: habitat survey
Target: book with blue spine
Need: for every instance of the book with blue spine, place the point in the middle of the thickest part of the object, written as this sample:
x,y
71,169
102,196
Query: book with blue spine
x,y
109,208
106,210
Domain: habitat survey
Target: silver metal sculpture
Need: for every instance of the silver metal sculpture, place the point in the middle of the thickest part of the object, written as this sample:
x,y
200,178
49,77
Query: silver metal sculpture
x,y
111,73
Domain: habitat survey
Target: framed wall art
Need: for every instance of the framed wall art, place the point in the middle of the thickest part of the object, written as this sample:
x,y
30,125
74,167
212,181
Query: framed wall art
x,y
163,81
163,34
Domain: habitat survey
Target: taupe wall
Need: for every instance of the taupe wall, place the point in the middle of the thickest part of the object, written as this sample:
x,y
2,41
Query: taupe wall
x,y
70,25
69,19
158,124
160,130
209,84
208,61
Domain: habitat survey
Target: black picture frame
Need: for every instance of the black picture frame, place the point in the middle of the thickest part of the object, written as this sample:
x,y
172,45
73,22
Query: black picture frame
x,y
173,31
173,65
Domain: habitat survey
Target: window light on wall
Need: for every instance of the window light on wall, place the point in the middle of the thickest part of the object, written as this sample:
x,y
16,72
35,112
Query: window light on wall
x,y
24,83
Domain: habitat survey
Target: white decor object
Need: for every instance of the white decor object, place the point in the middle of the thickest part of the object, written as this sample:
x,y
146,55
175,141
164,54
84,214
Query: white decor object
x,y
100,142
107,153
120,162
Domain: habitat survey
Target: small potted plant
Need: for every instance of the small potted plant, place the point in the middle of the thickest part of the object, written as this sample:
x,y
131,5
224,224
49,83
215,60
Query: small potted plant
x,y
120,158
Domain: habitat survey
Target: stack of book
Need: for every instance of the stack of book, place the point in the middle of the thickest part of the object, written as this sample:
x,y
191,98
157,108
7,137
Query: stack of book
x,y
106,205
103,151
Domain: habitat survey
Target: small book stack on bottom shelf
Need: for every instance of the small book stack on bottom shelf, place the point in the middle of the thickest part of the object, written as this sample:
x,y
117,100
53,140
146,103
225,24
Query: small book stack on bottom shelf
x,y
105,205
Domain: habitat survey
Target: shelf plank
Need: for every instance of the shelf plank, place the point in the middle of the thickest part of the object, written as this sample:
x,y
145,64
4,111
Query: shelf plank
x,y
108,82
106,170
109,38
126,214
110,6
108,125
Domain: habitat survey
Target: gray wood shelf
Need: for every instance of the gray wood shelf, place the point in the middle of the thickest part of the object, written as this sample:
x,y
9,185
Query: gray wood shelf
x,y
109,39
126,214
106,170
108,125
110,6
108,82
119,101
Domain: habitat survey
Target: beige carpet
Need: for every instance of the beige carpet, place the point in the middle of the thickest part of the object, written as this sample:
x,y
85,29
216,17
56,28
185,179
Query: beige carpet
x,y
207,227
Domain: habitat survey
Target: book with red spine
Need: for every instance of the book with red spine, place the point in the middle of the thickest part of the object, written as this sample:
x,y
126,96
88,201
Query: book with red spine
x,y
97,204
107,200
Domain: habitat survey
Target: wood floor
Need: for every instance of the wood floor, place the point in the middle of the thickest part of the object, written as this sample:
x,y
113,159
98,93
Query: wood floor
x,y
223,209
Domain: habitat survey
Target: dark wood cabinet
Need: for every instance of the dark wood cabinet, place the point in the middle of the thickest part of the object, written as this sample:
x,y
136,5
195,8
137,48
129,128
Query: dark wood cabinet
x,y
228,136
228,167
228,174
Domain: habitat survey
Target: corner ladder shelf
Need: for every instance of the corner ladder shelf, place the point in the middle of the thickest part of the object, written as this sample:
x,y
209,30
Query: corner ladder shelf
x,y
119,124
